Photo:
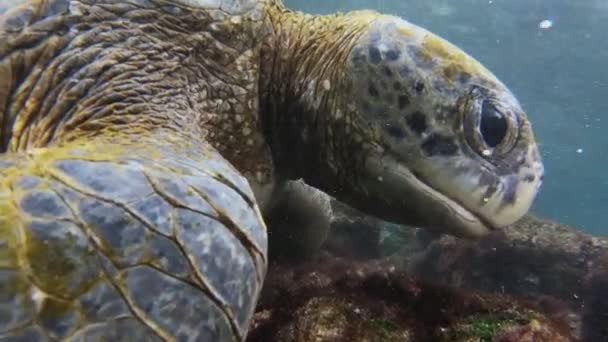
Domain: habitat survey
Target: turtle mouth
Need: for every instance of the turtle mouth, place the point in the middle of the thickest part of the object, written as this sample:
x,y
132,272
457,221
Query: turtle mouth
x,y
476,225
456,204
407,198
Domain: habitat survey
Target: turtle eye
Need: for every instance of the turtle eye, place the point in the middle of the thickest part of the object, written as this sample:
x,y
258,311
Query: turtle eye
x,y
493,125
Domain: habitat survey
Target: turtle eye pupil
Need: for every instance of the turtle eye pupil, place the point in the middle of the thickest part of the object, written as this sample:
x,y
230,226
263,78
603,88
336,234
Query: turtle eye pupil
x,y
493,125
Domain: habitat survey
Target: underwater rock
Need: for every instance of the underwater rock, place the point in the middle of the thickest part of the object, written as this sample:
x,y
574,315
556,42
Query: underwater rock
x,y
336,299
558,271
331,319
529,333
532,257
595,295
558,267
535,258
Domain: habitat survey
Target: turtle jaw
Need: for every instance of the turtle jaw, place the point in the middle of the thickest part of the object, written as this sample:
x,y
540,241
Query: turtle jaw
x,y
394,193
457,195
391,191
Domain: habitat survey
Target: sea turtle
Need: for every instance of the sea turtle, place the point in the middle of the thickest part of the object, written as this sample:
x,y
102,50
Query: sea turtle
x,y
144,140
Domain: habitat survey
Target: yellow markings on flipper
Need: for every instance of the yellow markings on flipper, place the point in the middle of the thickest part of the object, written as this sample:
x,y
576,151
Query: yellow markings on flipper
x,y
9,241
25,238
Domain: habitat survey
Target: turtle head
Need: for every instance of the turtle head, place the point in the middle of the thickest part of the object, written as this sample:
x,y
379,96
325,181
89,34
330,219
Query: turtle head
x,y
396,122
443,144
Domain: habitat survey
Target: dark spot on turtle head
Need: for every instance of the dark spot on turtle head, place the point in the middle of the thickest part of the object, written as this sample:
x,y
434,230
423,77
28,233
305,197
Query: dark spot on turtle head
x,y
490,191
464,77
403,101
510,192
404,72
529,178
397,86
394,130
373,91
419,87
437,144
392,55
486,179
387,71
374,55
417,122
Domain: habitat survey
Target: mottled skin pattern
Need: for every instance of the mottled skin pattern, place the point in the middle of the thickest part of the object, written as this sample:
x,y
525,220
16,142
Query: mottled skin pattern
x,y
144,141
116,234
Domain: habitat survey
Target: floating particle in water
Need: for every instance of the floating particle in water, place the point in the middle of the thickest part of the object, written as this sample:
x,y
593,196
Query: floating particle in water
x,y
580,150
546,24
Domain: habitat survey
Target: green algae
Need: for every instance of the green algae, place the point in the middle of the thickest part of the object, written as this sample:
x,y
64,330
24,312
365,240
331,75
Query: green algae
x,y
486,327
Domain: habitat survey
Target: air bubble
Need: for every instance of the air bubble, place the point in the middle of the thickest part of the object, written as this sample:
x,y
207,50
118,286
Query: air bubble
x,y
546,24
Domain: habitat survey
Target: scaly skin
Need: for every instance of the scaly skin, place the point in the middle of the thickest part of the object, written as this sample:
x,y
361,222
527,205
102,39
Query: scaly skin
x,y
140,138
159,236
118,216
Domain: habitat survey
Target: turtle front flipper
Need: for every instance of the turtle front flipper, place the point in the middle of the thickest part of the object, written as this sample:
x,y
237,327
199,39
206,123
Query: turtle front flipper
x,y
299,222
154,238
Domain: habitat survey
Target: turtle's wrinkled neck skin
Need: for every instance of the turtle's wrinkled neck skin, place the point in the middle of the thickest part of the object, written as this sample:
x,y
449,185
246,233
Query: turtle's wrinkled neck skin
x,y
302,85
395,121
